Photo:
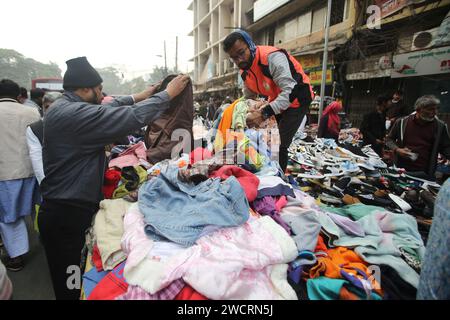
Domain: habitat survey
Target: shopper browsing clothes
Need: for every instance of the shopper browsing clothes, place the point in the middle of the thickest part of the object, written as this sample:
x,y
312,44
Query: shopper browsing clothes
x,y
273,73
76,129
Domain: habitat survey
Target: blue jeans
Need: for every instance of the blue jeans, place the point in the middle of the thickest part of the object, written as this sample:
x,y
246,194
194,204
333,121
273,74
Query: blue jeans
x,y
179,211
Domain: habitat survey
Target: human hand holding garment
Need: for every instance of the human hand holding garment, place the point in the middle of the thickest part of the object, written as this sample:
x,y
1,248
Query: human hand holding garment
x,y
147,93
254,119
177,85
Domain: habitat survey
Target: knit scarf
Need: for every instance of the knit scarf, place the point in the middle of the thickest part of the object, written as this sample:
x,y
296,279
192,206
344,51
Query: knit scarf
x,y
249,41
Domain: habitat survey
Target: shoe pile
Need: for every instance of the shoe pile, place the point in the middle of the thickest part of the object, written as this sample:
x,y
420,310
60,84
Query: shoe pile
x,y
325,159
344,174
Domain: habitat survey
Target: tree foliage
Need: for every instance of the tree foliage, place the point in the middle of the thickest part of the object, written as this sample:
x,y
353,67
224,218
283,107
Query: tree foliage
x,y
14,66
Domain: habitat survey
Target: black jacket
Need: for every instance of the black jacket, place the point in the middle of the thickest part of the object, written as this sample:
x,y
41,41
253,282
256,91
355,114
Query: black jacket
x,y
373,127
75,134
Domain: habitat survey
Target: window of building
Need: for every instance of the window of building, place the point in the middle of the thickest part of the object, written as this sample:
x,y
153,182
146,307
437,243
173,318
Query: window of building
x,y
318,20
337,12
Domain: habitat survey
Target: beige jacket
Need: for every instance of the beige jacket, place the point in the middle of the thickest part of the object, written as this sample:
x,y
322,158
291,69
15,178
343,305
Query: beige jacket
x,y
15,160
108,229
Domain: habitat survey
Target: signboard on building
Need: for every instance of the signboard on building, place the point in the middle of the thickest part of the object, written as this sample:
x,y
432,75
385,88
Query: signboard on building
x,y
262,8
377,66
312,65
316,77
420,63
389,7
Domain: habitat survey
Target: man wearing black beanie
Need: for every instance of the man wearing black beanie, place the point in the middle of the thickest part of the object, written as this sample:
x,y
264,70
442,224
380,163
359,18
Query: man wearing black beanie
x,y
76,130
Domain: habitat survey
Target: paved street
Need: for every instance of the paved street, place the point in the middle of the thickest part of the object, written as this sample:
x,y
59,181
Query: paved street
x,y
33,282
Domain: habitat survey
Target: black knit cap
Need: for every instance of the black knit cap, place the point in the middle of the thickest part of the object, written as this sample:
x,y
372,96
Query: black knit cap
x,y
80,74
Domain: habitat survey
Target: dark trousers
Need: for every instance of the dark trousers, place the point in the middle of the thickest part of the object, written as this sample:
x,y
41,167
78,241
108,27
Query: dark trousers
x,y
62,229
288,123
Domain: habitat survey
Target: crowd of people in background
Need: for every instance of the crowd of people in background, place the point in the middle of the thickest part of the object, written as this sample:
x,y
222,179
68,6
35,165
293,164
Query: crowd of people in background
x,y
53,153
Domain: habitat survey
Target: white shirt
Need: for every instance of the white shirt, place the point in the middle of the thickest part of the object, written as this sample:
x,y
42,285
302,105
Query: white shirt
x,y
35,150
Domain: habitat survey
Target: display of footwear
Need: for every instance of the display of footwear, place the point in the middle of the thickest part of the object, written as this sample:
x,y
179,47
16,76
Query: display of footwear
x,y
372,173
349,167
388,172
349,200
402,204
328,199
365,164
300,159
377,163
372,200
310,174
427,198
342,184
332,171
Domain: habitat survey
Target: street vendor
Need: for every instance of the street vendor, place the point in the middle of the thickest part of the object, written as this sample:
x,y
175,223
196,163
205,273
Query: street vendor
x,y
273,73
76,129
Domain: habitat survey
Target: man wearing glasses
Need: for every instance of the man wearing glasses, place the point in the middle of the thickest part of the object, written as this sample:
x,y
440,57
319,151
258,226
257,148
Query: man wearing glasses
x,y
273,73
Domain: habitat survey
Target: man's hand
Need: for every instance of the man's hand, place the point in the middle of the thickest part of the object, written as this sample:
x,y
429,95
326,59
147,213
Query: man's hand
x,y
177,85
257,106
254,119
147,93
378,141
403,152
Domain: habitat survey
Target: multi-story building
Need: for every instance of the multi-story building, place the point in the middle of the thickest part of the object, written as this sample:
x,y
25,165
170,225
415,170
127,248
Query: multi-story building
x,y
213,21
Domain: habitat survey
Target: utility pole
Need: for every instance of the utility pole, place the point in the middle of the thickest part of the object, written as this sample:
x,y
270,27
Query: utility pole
x,y
165,60
176,55
325,61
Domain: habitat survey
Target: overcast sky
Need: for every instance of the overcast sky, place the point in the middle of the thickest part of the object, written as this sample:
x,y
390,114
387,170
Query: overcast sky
x,y
127,33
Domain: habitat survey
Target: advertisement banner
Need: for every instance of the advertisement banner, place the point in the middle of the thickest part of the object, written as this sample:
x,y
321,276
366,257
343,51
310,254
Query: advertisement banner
x,y
312,65
389,7
316,77
420,63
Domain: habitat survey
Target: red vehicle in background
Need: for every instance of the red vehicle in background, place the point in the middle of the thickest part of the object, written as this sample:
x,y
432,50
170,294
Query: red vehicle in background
x,y
50,84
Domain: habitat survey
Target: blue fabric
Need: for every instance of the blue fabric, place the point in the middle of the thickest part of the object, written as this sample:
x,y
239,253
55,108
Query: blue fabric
x,y
293,182
91,279
17,198
257,142
249,41
296,274
279,190
434,281
180,211
270,168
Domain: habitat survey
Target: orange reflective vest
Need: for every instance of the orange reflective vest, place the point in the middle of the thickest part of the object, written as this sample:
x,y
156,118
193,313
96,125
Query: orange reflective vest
x,y
259,80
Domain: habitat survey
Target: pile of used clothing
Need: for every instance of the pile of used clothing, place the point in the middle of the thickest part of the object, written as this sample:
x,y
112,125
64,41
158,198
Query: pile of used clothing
x,y
228,216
